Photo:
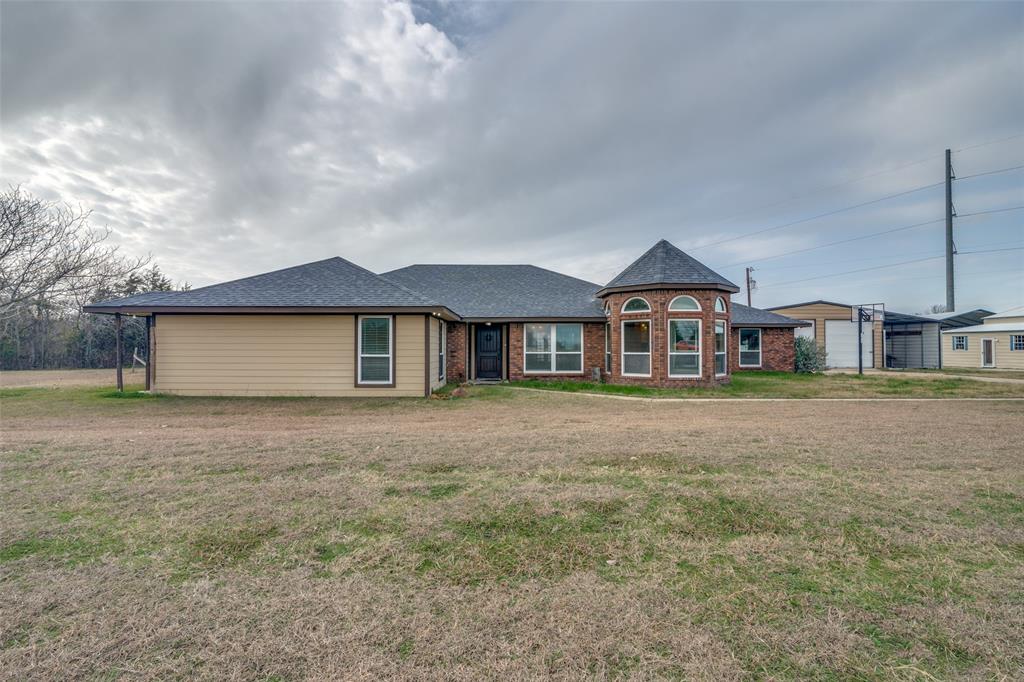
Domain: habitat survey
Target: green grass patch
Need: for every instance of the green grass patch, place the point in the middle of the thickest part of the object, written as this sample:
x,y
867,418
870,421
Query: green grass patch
x,y
221,546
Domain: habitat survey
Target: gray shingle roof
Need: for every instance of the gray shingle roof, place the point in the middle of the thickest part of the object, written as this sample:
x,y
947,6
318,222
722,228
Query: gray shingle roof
x,y
905,318
334,282
743,315
502,291
665,264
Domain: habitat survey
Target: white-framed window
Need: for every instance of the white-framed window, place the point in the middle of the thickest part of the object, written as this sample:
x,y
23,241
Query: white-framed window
x,y
550,348
1016,341
684,303
750,347
375,351
720,305
442,337
636,305
636,348
721,358
684,349
959,343
608,347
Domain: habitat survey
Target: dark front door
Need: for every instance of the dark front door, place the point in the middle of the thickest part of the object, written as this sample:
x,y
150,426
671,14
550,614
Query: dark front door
x,y
488,352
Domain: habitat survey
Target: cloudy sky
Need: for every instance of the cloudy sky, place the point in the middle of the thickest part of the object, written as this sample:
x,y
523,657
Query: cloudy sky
x,y
229,139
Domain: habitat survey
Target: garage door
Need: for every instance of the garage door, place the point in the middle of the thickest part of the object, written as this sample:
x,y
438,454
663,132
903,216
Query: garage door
x,y
841,343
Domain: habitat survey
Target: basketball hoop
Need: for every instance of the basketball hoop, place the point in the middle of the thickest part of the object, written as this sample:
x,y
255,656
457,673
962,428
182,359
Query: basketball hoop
x,y
869,312
861,314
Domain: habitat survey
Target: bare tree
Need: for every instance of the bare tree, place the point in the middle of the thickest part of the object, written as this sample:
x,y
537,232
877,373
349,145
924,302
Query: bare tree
x,y
49,252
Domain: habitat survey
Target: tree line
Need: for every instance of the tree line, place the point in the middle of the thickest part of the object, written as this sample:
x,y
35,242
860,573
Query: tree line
x,y
52,262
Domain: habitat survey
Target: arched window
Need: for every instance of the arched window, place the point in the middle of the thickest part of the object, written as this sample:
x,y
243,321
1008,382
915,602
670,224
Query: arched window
x,y
636,305
684,303
719,305
607,309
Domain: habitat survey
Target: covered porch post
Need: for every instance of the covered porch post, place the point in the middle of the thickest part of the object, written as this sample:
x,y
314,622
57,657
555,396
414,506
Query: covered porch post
x,y
120,353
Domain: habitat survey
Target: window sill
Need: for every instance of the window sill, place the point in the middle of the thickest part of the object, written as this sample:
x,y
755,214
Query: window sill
x,y
536,373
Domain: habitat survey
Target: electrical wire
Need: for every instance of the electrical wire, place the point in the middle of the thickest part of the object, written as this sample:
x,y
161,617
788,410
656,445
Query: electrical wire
x,y
865,236
847,261
985,144
888,265
820,215
992,172
824,188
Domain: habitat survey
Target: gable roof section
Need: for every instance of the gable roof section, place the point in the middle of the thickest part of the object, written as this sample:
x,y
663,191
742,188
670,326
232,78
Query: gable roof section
x,y
503,291
745,316
960,318
665,264
1016,311
331,283
818,302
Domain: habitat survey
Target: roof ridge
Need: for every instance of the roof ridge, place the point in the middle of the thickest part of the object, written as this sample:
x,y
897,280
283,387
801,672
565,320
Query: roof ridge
x,y
666,263
271,272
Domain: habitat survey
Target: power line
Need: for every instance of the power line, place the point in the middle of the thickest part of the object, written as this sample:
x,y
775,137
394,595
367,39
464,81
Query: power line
x,y
866,236
993,172
824,188
889,265
847,261
985,144
820,215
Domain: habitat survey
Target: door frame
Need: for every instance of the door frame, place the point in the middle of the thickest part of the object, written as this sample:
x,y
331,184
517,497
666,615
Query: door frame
x,y
501,350
991,341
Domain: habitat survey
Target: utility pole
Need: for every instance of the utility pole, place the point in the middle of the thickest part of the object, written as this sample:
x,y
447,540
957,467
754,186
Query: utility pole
x,y
950,250
750,285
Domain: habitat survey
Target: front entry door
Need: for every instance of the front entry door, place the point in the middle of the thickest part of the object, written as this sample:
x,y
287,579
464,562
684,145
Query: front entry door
x,y
988,353
488,352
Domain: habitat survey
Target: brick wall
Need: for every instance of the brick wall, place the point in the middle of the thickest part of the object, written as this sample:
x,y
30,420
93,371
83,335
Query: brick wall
x,y
778,350
659,316
456,352
593,353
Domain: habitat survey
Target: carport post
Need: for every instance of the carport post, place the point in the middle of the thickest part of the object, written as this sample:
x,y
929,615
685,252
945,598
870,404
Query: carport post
x,y
119,354
860,341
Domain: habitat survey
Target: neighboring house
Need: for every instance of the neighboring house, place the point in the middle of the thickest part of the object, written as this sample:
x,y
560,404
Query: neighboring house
x,y
334,328
831,326
996,343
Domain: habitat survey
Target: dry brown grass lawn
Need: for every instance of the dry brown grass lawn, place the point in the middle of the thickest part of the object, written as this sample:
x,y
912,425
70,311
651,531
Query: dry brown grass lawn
x,y
508,535
57,378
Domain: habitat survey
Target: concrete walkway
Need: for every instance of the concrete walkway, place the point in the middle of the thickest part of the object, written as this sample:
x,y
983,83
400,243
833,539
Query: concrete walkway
x,y
928,375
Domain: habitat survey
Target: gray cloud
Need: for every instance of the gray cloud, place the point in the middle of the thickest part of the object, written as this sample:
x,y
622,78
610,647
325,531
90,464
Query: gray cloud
x,y
231,138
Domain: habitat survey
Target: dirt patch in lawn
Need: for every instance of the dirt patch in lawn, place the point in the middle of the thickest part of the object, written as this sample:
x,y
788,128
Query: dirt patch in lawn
x,y
510,534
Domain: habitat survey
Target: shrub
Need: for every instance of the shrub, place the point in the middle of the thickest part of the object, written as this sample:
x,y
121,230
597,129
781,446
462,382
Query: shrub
x,y
810,357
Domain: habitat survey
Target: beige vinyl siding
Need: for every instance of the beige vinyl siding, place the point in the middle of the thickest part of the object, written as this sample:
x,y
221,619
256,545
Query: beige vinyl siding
x,y
277,355
1005,358
819,312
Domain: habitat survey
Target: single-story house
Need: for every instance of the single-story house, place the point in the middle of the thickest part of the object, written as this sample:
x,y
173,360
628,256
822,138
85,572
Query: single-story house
x,y
333,328
996,343
831,325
